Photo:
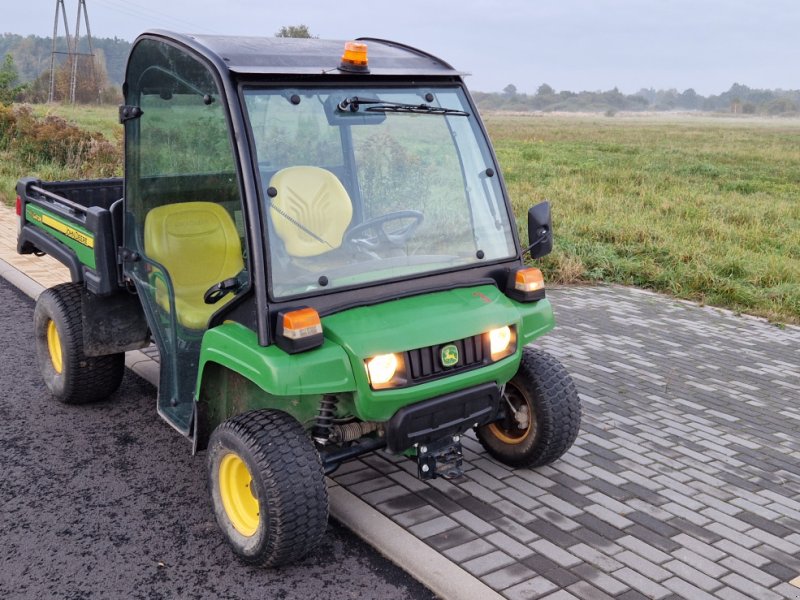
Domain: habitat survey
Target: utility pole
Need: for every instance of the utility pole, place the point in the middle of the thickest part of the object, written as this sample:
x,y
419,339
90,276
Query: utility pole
x,y
59,4
73,56
76,54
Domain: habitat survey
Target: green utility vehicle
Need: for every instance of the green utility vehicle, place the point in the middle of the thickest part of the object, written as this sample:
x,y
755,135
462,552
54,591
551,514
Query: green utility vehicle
x,y
317,237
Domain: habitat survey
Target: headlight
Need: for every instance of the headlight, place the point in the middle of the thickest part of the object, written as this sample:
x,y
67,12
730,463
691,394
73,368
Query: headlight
x,y
502,342
382,369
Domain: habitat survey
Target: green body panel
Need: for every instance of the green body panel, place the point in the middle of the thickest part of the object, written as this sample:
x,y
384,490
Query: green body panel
x,y
325,370
295,382
425,320
77,238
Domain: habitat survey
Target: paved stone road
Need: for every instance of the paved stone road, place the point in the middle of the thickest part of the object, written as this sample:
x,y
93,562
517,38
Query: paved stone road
x,y
684,482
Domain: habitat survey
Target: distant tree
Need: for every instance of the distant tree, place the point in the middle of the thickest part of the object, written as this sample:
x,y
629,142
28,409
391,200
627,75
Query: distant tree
x,y
295,31
545,90
510,90
8,79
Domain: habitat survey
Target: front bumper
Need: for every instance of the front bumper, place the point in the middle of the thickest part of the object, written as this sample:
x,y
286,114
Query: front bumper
x,y
443,416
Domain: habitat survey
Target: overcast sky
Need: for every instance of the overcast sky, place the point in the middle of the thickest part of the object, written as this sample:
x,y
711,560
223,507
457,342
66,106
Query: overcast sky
x,y
569,44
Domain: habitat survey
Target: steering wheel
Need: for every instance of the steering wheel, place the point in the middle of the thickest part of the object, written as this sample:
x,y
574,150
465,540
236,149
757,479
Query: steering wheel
x,y
372,234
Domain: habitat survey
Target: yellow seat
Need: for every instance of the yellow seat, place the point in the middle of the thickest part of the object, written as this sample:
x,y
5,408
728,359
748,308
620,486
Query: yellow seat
x,y
198,245
311,210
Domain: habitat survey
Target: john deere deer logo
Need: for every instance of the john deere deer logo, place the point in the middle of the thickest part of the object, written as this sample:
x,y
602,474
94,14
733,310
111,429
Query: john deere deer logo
x,y
449,355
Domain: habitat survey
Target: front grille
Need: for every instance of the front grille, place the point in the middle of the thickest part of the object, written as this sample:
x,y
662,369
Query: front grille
x,y
425,364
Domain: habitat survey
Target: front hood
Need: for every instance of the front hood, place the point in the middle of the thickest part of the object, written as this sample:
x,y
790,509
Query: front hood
x,y
419,321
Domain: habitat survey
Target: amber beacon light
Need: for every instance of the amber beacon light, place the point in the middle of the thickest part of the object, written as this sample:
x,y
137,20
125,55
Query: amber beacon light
x,y
354,58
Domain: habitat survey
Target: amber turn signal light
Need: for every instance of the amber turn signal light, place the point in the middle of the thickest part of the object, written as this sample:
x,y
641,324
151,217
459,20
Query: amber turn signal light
x,y
525,284
298,330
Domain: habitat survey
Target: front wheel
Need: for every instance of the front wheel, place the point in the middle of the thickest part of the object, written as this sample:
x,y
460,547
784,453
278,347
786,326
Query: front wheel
x,y
541,417
267,487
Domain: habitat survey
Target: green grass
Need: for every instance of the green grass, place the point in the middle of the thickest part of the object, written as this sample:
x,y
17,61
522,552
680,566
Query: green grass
x,y
702,208
101,119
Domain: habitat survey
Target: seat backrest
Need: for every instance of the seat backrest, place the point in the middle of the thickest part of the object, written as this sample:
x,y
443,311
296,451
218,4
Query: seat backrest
x,y
310,211
198,245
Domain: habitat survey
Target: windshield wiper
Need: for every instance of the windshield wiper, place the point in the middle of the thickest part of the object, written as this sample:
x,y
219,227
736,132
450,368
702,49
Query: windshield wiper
x,y
353,104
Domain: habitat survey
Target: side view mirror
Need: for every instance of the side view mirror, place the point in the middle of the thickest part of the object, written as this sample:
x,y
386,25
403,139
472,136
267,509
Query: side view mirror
x,y
540,230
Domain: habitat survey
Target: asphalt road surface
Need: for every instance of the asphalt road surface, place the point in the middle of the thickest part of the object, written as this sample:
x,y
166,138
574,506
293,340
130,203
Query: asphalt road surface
x,y
106,501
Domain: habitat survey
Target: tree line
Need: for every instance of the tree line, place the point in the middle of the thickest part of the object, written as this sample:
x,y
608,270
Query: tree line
x,y
25,77
739,99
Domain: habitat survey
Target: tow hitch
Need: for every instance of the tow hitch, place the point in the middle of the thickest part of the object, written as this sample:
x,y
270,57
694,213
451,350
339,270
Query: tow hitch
x,y
442,458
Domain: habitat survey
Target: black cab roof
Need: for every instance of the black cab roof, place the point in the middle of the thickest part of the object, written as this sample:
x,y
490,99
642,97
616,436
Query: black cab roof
x,y
302,56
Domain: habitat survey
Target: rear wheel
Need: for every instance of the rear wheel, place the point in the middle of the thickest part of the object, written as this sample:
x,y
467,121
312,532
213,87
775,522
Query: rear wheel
x,y
70,375
267,487
541,417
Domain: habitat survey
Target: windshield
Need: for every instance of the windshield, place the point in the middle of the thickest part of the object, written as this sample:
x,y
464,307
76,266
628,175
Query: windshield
x,y
373,184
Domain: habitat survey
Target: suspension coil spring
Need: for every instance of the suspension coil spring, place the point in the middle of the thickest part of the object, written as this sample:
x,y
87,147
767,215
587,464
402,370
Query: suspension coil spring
x,y
322,428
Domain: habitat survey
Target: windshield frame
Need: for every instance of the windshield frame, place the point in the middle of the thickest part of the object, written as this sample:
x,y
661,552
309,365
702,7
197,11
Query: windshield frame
x,y
373,291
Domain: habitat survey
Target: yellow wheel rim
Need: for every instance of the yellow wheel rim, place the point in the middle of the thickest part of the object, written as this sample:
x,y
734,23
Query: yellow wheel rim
x,y
54,347
236,492
508,430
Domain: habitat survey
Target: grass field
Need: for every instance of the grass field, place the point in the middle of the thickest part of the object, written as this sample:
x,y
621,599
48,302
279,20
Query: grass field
x,y
700,207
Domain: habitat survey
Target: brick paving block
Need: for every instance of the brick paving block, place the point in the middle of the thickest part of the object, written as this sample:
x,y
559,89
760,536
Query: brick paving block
x,y
584,590
749,588
519,498
509,545
648,587
741,553
709,567
550,532
469,550
370,485
408,481
473,522
781,572
562,577
685,513
642,565
553,552
356,475
693,575
507,576
416,516
686,590
535,478
486,480
559,505
644,549
695,531
787,591
595,557
608,584
775,541
557,519
752,573
733,535
382,495
728,521
518,514
770,526
755,508
658,525
440,500
530,589
635,595
493,468
432,527
610,517
515,530
600,527
479,491
487,563
560,595
682,500
451,538
400,504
